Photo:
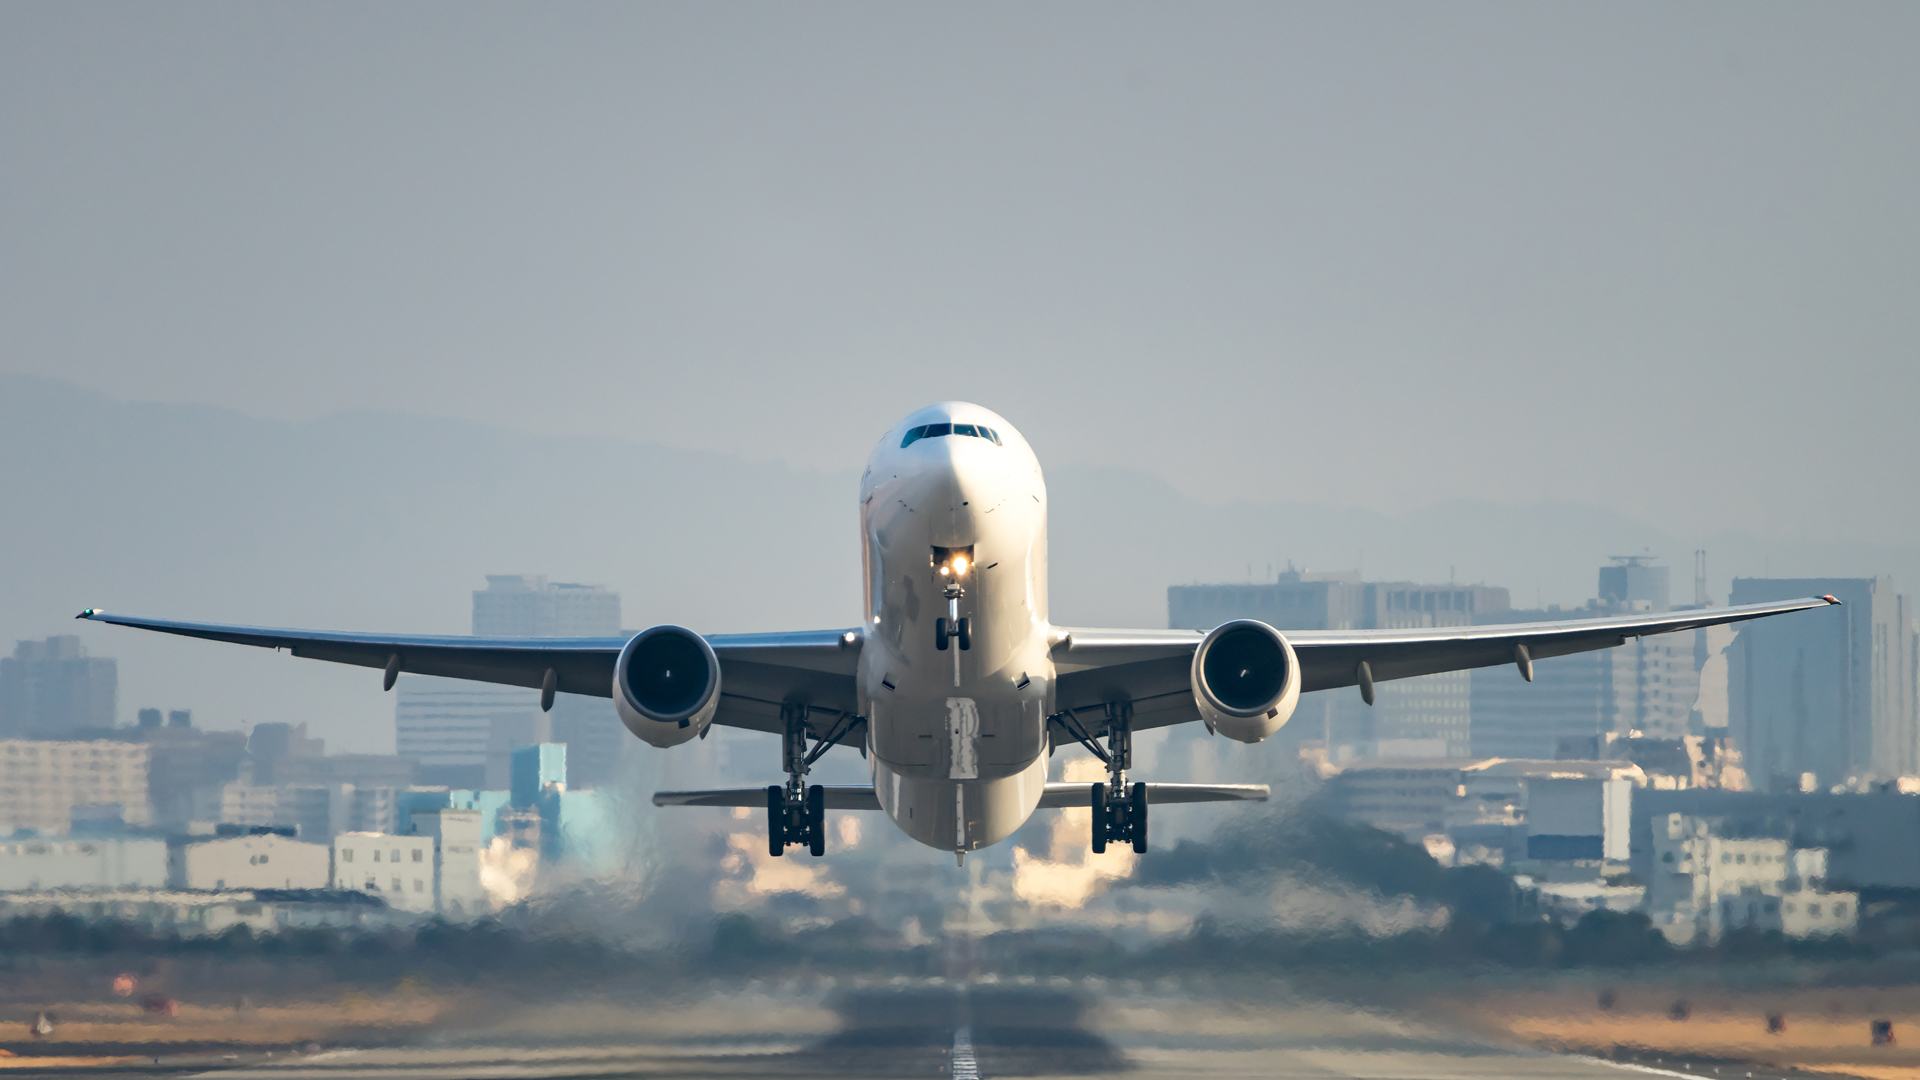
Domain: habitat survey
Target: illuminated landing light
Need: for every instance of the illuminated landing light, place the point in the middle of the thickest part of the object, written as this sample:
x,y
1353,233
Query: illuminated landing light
x,y
960,565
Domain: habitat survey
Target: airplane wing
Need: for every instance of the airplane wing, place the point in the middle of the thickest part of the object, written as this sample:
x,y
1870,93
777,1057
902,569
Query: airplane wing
x,y
757,671
1152,668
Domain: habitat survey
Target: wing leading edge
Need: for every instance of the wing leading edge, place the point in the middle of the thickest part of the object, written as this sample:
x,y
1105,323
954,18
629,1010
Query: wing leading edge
x,y
757,671
1150,668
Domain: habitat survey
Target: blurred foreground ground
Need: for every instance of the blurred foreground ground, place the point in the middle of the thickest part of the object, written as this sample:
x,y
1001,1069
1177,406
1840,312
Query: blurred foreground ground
x,y
1030,1027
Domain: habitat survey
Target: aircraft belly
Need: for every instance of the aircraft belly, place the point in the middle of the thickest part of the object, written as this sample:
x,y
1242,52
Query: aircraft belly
x,y
960,815
957,736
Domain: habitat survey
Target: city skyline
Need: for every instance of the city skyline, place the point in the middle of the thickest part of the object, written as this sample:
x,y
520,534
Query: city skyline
x,y
206,526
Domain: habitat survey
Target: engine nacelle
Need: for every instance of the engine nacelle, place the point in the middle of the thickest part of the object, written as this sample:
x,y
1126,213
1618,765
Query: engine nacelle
x,y
666,685
1246,680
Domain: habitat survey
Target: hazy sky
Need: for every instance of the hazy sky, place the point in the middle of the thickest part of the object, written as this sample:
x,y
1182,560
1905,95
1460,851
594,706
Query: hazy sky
x,y
1661,258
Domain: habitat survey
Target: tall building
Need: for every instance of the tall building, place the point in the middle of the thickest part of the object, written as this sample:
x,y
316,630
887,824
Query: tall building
x,y
462,733
1646,688
52,689
1830,692
528,605
43,780
1424,717
270,742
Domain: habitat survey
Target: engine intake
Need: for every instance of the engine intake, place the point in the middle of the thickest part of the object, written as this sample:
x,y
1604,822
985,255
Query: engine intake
x,y
1246,680
666,685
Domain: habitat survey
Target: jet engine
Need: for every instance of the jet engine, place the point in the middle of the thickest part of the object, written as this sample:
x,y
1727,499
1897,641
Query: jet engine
x,y
1246,680
666,685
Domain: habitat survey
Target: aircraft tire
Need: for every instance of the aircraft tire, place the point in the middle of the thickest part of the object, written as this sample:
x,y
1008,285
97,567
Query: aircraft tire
x,y
1138,812
817,820
1099,818
776,821
940,633
966,634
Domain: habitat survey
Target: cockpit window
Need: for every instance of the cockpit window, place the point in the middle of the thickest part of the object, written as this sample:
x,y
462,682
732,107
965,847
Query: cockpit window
x,y
932,431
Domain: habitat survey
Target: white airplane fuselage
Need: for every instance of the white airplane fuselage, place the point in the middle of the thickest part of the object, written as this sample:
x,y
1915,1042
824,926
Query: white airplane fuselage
x,y
957,737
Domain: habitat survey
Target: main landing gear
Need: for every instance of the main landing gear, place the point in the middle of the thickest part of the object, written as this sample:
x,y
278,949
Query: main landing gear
x,y
797,813
1119,811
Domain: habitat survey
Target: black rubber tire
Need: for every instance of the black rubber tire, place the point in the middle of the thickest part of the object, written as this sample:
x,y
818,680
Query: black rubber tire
x,y
966,634
1138,812
940,633
1099,818
817,820
776,820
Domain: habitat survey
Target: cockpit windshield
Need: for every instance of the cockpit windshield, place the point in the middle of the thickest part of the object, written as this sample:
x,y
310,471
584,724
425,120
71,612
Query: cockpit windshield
x,y
934,431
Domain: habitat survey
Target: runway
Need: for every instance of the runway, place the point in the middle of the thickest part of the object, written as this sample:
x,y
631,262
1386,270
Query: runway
x,y
927,1029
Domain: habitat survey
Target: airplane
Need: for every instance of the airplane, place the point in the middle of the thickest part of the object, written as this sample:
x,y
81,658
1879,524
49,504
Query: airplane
x,y
956,685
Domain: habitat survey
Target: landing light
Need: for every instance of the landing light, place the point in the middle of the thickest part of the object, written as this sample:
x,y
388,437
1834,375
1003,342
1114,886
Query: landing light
x,y
960,565
944,571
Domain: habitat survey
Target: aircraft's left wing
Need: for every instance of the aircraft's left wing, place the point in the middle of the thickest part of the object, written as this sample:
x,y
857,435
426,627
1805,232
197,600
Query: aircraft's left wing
x,y
1152,668
757,671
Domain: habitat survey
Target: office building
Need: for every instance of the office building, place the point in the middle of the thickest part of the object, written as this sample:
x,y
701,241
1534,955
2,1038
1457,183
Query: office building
x,y
268,743
1579,819
46,863
1418,798
42,781
492,806
398,869
1829,693
190,769
1872,839
261,860
1707,880
1424,717
360,770
463,734
1645,688
52,689
528,605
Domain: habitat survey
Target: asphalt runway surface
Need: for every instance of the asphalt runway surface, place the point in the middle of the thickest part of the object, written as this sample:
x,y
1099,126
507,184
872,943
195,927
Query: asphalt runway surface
x,y
932,1031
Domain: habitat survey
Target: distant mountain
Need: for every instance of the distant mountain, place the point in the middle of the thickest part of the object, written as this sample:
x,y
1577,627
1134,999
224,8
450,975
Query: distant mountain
x,y
373,520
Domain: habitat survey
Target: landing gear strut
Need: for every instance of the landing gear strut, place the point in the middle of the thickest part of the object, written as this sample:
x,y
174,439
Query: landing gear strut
x,y
1119,811
797,813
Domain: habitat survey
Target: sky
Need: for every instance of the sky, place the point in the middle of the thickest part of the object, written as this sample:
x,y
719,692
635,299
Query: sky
x,y
1462,267
1657,258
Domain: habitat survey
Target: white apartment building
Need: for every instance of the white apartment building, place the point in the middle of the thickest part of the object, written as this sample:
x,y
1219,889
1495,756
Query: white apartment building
x,y
266,861
1704,885
47,864
398,869
42,781
456,839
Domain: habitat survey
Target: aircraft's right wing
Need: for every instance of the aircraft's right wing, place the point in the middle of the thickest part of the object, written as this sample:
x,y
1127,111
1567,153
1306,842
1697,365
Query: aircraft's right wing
x,y
1151,668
